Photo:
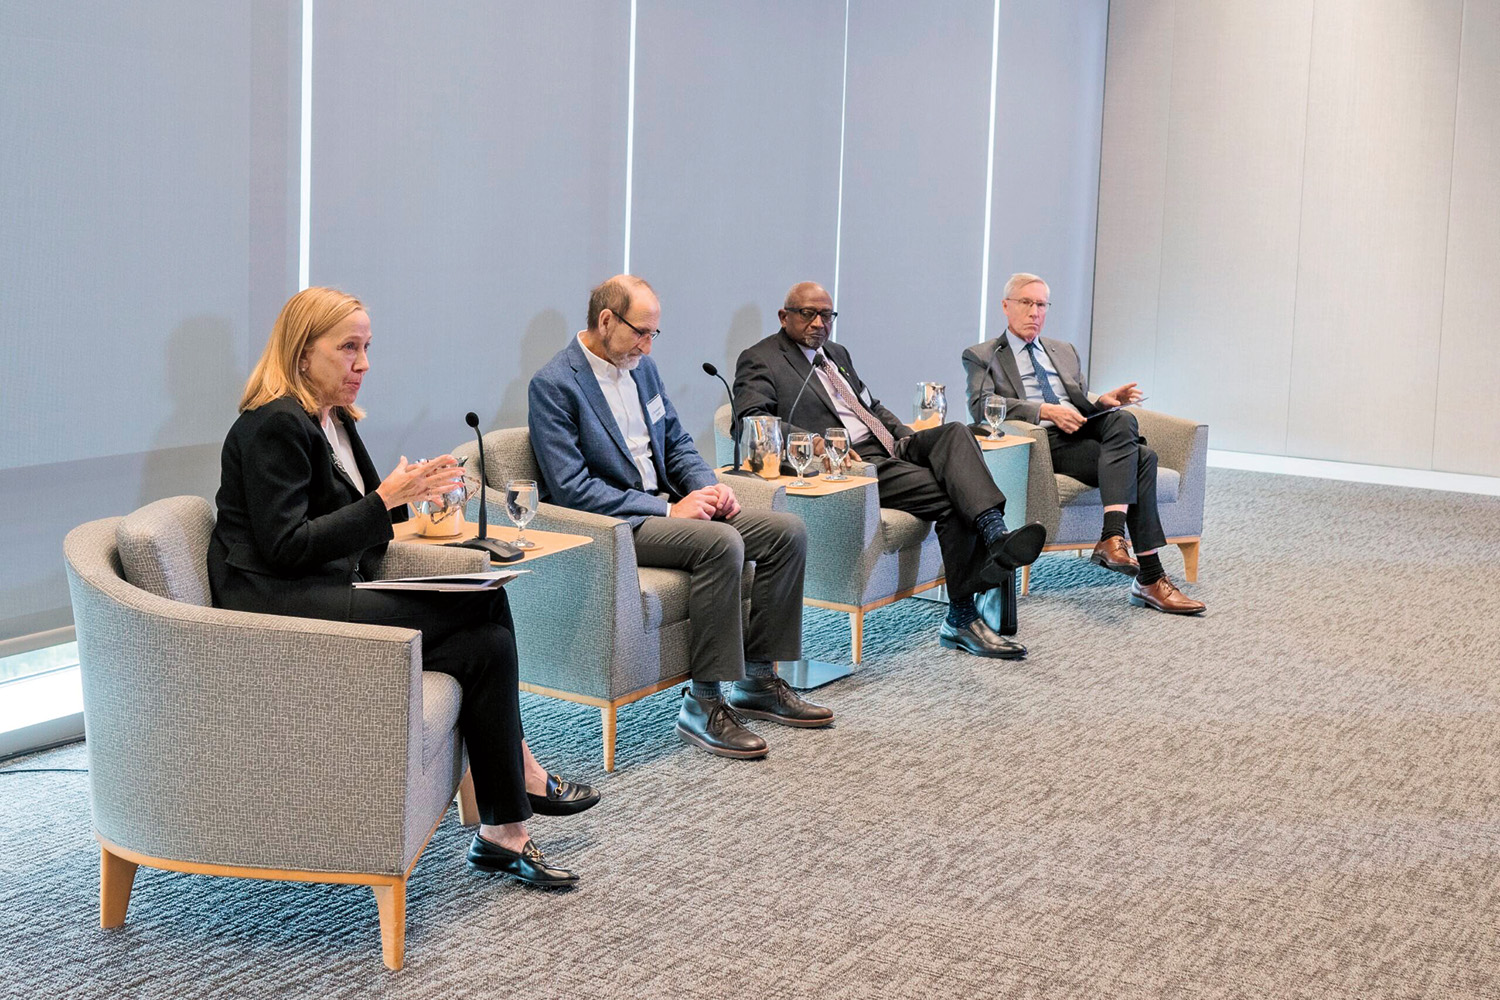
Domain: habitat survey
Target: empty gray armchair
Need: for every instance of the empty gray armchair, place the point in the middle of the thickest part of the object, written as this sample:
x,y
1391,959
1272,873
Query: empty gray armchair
x,y
860,555
592,627
227,743
1073,514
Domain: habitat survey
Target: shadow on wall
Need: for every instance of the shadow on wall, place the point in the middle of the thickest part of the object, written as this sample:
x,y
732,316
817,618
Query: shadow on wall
x,y
545,335
204,382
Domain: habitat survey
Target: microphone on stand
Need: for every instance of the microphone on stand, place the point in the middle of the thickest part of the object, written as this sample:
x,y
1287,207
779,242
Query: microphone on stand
x,y
813,367
734,424
499,551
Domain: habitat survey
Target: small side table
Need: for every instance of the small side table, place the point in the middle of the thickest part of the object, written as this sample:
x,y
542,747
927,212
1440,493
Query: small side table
x,y
547,542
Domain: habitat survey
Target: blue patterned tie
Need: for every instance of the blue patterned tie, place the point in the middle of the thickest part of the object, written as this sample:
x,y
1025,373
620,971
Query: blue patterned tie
x,y
1048,396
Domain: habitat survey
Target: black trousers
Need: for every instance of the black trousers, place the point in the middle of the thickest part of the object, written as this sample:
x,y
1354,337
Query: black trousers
x,y
1109,452
939,475
471,638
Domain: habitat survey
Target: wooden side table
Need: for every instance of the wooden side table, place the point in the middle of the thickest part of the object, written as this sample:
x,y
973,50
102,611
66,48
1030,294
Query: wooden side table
x,y
547,542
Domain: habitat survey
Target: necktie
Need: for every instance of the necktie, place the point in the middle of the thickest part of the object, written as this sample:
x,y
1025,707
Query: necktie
x,y
1048,395
846,395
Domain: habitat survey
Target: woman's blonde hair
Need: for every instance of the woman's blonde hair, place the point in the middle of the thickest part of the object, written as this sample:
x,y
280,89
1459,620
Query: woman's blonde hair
x,y
306,316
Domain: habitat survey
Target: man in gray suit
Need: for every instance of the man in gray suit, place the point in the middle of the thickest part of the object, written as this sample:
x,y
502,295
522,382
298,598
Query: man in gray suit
x,y
1092,440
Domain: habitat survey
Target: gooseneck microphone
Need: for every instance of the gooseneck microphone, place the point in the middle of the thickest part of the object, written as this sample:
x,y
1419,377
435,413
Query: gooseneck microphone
x,y
734,422
499,551
812,367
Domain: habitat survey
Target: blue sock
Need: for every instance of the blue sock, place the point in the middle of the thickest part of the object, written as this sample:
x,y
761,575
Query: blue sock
x,y
759,673
961,611
991,525
706,690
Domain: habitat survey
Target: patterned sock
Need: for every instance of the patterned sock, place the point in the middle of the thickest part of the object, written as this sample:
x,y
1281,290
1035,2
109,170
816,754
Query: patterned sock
x,y
1114,524
758,673
991,524
706,691
1151,570
961,611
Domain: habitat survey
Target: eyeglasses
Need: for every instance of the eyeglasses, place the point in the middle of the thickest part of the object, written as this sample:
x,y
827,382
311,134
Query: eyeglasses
x,y
808,313
1026,304
639,333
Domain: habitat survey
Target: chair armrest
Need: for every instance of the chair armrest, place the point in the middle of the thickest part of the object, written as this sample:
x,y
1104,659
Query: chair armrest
x,y
755,492
1172,438
418,559
1042,502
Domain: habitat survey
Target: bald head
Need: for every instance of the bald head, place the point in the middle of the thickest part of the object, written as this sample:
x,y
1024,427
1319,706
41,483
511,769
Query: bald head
x,y
807,314
615,295
623,317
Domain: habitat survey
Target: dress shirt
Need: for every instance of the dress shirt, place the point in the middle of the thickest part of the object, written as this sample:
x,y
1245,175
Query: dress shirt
x,y
858,432
1028,375
625,403
338,440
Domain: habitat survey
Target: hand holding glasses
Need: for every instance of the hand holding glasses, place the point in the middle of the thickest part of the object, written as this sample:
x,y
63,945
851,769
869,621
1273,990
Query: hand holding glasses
x,y
836,443
520,507
994,414
799,451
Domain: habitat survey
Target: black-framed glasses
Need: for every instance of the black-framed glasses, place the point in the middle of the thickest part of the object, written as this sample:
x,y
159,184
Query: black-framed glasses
x,y
808,313
1026,304
639,333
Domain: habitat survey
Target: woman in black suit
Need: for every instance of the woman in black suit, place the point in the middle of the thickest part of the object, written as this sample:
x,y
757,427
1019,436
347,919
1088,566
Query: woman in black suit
x,y
303,515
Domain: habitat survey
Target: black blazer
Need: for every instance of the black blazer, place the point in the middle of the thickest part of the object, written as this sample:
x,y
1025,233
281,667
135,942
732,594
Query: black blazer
x,y
769,374
292,530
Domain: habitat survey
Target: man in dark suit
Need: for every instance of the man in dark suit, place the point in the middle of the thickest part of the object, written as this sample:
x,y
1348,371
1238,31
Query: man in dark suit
x,y
608,440
1092,440
937,474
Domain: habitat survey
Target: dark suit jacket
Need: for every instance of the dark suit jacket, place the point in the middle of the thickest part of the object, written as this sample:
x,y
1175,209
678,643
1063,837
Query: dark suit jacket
x,y
581,451
769,374
991,367
292,529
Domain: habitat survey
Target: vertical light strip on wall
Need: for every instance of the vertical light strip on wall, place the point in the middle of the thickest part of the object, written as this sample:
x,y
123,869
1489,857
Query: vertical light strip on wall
x,y
838,226
304,225
989,184
629,140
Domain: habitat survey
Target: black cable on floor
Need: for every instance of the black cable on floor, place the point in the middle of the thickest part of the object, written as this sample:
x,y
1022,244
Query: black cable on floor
x,y
44,770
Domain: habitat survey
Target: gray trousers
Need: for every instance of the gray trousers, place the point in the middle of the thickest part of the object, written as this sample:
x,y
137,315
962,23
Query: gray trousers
x,y
715,553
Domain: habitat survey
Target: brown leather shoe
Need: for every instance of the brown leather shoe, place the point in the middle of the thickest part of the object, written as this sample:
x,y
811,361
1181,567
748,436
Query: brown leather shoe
x,y
1112,553
1163,595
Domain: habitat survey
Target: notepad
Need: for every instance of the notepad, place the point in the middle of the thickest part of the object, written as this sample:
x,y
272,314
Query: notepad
x,y
453,582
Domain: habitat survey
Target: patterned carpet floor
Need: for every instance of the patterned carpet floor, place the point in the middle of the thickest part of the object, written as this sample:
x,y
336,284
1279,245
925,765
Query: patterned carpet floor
x,y
1297,795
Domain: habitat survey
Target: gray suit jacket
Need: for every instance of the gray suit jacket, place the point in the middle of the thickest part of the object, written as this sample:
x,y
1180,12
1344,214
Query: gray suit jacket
x,y
991,367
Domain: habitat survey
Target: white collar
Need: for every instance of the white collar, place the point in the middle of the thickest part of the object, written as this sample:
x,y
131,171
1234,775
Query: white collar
x,y
602,368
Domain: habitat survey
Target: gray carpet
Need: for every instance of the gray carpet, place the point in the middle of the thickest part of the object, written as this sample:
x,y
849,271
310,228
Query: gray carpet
x,y
1295,796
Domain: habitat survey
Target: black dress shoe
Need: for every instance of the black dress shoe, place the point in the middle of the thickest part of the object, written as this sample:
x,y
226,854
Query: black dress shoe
x,y
1018,548
981,640
563,797
717,728
527,866
777,702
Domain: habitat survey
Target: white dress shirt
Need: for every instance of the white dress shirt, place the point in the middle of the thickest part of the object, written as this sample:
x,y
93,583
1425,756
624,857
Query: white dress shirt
x,y
858,432
338,439
1029,383
625,403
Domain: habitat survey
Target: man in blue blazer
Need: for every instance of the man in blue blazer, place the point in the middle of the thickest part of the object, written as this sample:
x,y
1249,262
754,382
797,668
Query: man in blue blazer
x,y
608,440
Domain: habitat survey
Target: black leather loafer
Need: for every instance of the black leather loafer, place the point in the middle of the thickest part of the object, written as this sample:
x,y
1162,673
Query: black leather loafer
x,y
981,640
777,702
528,866
1018,548
563,797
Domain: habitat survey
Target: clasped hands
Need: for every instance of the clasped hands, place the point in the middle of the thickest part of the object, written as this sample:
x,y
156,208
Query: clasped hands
x,y
411,482
710,502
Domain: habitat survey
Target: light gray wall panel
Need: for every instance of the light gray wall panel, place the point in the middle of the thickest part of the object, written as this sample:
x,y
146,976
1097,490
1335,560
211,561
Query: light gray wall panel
x,y
914,173
468,184
1379,154
1229,261
1132,191
1049,109
736,176
1467,433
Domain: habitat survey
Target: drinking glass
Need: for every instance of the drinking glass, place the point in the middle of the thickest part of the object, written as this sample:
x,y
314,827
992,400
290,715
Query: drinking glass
x,y
994,414
836,441
799,451
520,507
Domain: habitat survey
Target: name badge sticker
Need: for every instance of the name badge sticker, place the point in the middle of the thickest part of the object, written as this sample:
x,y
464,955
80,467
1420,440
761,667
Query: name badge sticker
x,y
656,408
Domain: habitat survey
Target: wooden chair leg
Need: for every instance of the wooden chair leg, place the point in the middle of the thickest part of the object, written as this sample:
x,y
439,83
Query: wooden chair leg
x,y
607,713
856,635
468,806
1025,580
1189,560
116,878
390,900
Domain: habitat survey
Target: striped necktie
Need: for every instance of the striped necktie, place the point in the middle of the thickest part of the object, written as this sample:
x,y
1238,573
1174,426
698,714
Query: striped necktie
x,y
846,395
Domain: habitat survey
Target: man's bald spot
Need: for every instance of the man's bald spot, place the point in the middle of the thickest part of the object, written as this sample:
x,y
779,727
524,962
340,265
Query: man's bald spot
x,y
801,292
615,294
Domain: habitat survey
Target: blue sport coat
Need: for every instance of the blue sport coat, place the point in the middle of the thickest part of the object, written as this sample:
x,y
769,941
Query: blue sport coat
x,y
581,450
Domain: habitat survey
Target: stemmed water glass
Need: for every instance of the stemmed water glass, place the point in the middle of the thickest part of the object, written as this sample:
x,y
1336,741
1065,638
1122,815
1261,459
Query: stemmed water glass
x,y
836,441
799,451
994,414
520,507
